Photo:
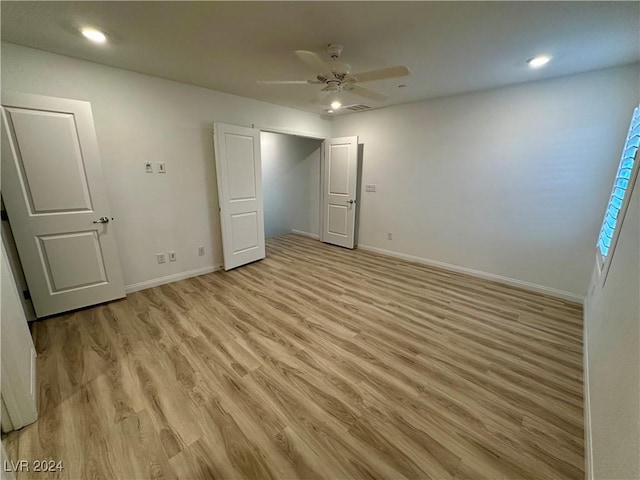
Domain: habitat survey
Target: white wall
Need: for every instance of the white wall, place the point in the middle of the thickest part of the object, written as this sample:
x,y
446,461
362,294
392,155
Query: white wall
x,y
290,184
511,181
612,361
141,118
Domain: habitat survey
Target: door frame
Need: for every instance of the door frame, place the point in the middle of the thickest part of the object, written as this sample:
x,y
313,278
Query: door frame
x,y
323,138
311,136
284,131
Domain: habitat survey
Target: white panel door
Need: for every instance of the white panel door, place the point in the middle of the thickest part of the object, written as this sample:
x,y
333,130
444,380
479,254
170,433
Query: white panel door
x,y
339,187
57,203
17,355
239,173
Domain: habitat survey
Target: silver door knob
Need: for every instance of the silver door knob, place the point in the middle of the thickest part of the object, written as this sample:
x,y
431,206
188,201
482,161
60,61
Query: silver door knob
x,y
351,202
102,220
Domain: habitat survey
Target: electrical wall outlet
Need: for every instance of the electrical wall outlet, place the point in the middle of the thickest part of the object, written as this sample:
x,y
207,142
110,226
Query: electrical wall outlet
x,y
172,256
162,168
201,251
148,167
160,257
370,187
389,236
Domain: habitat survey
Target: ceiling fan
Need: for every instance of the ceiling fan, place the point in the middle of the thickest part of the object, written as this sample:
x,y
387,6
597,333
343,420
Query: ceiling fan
x,y
336,76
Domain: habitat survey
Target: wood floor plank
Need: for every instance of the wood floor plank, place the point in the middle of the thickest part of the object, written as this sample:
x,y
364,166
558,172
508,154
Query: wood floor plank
x,y
135,450
317,362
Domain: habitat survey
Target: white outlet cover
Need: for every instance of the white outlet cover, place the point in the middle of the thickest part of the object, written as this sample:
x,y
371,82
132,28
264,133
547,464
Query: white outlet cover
x,y
148,167
161,258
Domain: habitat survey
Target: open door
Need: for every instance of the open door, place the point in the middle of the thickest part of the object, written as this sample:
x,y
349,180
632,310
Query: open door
x,y
239,173
339,189
17,356
57,203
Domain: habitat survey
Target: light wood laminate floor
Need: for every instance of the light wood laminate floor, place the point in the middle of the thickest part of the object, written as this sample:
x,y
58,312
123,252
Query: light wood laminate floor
x,y
316,362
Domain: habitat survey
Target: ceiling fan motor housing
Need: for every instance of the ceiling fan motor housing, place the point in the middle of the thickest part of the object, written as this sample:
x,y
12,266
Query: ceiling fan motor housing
x,y
334,50
339,69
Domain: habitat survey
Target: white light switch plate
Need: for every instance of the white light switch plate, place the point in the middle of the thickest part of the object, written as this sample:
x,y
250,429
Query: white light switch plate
x,y
162,168
370,188
148,167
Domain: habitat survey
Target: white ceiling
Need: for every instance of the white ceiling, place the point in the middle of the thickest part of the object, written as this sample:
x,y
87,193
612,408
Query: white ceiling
x,y
450,47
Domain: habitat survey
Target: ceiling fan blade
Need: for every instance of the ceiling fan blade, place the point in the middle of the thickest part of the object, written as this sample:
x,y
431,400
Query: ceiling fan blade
x,y
287,82
382,74
314,62
366,93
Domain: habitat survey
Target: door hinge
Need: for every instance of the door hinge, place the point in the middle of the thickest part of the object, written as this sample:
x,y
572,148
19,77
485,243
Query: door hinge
x,y
26,294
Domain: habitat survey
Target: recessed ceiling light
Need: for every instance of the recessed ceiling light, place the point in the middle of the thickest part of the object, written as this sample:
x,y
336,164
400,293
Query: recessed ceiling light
x,y
336,104
538,61
329,111
94,35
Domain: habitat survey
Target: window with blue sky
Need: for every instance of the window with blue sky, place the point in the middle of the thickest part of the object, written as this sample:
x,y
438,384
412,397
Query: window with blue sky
x,y
621,188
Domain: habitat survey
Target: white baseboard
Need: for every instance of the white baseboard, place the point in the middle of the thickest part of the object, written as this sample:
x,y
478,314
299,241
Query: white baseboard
x,y
588,439
533,287
154,282
306,234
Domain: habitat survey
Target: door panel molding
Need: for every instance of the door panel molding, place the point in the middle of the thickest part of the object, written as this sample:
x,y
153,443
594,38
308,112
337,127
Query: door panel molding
x,y
34,176
55,262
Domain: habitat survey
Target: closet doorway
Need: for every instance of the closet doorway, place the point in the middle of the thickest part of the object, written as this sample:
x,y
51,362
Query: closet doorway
x,y
273,183
291,184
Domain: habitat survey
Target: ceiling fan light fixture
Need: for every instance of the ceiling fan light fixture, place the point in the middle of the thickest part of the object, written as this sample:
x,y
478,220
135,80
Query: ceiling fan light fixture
x,y
340,68
332,86
336,77
94,35
538,61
